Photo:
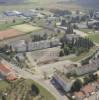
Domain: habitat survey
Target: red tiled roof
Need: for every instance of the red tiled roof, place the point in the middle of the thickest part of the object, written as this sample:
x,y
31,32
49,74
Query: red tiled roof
x,y
88,89
11,77
79,94
4,69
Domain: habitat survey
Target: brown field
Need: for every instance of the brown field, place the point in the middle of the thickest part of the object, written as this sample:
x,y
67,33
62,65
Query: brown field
x,y
9,33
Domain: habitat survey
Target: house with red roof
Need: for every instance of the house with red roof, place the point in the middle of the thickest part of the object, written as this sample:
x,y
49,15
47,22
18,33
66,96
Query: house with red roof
x,y
6,72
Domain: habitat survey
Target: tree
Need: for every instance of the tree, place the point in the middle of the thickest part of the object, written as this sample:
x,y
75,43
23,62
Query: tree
x,y
86,80
66,50
91,13
58,31
34,90
69,29
45,75
63,23
45,36
61,54
93,77
75,26
14,21
77,85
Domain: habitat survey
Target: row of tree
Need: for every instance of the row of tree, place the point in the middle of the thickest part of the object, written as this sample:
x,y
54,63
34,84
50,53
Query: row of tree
x,y
36,38
77,46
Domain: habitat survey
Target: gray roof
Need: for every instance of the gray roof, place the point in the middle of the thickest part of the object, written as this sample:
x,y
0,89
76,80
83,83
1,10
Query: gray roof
x,y
22,46
87,68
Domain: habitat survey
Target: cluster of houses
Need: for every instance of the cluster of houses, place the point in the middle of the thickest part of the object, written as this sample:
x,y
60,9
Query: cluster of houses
x,y
29,13
93,24
89,91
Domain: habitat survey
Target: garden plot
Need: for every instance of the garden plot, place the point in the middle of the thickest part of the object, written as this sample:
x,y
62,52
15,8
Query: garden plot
x,y
9,33
26,28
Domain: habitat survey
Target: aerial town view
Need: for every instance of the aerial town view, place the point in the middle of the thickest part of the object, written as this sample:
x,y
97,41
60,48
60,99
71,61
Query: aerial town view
x,y
49,49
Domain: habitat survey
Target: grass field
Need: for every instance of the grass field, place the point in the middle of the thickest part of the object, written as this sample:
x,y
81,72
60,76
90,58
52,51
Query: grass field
x,y
26,28
4,26
44,92
87,30
83,55
20,89
3,85
94,37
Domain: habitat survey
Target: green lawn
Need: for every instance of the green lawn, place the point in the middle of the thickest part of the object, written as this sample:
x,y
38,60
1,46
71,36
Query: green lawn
x,y
3,85
20,87
44,92
87,30
26,28
4,26
94,37
84,55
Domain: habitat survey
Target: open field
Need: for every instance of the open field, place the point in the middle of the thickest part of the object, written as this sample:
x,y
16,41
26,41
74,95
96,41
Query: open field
x,y
3,85
87,30
9,33
4,26
26,28
94,37
84,55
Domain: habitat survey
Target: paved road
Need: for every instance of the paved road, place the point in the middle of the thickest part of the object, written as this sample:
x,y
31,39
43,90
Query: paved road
x,y
78,32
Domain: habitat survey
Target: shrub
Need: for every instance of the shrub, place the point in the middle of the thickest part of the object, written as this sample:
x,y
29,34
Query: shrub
x,y
34,90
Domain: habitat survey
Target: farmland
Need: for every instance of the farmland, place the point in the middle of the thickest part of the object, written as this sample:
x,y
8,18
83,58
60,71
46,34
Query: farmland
x,y
9,33
26,28
13,30
7,25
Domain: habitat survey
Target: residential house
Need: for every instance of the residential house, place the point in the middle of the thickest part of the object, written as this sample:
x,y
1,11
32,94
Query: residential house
x,y
79,95
63,81
6,72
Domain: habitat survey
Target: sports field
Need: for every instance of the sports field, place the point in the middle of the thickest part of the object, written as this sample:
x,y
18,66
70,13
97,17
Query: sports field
x,y
9,33
26,28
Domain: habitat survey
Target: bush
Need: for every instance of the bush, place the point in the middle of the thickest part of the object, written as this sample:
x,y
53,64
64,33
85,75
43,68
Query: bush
x,y
77,85
34,90
61,54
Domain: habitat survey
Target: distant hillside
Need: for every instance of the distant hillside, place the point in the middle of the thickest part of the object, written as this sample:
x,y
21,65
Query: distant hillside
x,y
27,1
83,3
13,1
89,3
